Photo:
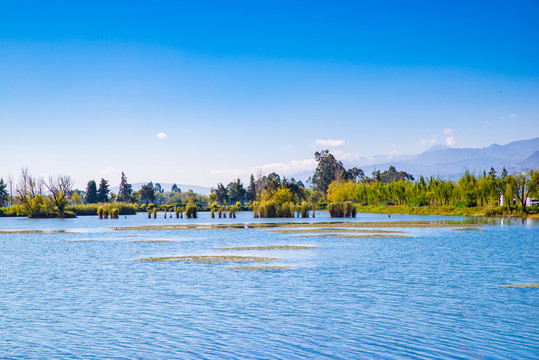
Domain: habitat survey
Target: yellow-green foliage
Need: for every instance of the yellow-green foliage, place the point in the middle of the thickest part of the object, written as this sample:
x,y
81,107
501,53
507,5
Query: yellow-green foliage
x,y
92,209
281,196
191,211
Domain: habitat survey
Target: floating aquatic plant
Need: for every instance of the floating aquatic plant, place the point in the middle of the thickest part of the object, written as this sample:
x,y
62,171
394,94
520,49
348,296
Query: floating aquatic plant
x,y
210,259
269,247
522,286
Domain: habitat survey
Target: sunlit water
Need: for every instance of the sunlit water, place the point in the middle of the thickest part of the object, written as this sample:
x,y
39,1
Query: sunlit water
x,y
435,295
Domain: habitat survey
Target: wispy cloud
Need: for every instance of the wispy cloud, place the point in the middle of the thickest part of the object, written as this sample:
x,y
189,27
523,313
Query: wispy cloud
x,y
432,140
513,116
107,170
345,156
288,148
449,131
292,167
161,135
450,141
329,142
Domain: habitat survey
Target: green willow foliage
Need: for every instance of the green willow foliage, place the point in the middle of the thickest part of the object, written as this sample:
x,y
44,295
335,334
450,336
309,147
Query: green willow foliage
x,y
468,191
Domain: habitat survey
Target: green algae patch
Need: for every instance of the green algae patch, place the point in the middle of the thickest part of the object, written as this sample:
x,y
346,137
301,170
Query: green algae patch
x,y
522,286
381,224
354,236
269,247
469,229
21,232
153,241
260,268
195,227
210,259
333,230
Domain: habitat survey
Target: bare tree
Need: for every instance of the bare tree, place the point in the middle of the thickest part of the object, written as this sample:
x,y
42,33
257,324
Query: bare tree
x,y
27,190
60,189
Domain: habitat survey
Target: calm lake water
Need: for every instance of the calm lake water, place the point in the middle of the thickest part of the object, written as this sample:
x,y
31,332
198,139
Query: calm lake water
x,y
434,295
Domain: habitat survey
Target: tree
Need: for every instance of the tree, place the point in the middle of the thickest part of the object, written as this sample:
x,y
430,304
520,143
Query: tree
x,y
221,194
103,191
175,189
147,193
91,192
526,183
125,190
158,188
4,195
271,183
327,171
60,190
30,193
355,174
236,191
391,175
10,180
251,189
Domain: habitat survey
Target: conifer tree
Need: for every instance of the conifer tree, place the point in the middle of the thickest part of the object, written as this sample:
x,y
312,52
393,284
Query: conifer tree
x,y
125,190
91,192
103,191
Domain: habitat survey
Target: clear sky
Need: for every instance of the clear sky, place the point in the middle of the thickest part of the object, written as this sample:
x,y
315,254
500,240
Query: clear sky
x,y
198,92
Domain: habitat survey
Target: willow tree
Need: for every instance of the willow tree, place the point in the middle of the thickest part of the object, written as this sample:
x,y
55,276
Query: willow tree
x,y
526,183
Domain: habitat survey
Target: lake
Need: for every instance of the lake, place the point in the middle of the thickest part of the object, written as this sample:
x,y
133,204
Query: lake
x,y
78,290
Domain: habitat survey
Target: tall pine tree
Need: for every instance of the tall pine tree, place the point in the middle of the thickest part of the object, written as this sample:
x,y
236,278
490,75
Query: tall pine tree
x,y
103,191
91,192
125,190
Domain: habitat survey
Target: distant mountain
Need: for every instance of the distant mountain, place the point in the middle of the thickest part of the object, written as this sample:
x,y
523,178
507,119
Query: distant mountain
x,y
448,162
203,190
453,162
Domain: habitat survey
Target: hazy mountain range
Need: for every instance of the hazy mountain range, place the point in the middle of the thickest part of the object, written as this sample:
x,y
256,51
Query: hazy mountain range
x,y
449,162
453,162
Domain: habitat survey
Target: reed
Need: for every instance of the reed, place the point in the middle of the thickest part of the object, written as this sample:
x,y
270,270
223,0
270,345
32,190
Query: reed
x,y
342,209
191,211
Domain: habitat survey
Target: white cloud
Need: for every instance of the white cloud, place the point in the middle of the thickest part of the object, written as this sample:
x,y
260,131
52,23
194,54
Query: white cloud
x,y
161,135
329,142
450,141
432,141
292,167
513,116
449,131
107,170
288,148
486,122
394,150
344,156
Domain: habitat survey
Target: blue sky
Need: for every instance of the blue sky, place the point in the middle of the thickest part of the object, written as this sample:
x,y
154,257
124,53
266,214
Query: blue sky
x,y
85,88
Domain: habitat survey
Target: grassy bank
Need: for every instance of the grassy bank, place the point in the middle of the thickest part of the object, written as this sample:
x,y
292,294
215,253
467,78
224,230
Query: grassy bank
x,y
488,211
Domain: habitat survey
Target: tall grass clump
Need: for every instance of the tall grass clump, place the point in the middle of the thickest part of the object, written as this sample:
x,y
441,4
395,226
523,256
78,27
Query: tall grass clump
x,y
303,209
342,209
92,209
191,211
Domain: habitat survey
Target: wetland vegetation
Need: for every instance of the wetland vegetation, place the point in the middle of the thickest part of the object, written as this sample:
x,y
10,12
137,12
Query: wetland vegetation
x,y
342,192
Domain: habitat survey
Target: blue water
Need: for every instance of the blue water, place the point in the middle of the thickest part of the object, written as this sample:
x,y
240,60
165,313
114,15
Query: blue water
x,y
434,295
